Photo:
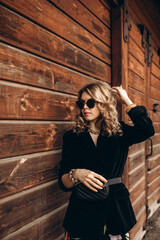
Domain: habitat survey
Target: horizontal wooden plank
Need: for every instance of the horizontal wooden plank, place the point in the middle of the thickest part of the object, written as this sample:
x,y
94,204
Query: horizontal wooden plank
x,y
154,197
155,139
153,162
137,189
139,225
153,174
136,96
98,9
157,127
33,203
19,66
135,66
155,93
136,175
22,102
154,101
59,23
47,226
140,203
136,82
107,4
22,33
84,17
139,18
136,159
136,51
156,149
153,186
23,137
37,168
155,58
155,82
155,118
142,11
136,147
136,35
155,70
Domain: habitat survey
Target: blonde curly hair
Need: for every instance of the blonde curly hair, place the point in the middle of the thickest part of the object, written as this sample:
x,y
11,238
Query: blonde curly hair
x,y
106,102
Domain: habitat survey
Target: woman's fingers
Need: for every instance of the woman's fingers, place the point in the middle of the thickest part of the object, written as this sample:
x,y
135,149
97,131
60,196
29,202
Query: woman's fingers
x,y
94,181
91,179
95,184
100,177
90,187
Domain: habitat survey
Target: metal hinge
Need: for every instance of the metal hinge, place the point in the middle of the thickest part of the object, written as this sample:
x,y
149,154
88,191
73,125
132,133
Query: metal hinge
x,y
126,21
147,44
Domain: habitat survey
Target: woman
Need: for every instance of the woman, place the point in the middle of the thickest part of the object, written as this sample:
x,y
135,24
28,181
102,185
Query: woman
x,y
94,152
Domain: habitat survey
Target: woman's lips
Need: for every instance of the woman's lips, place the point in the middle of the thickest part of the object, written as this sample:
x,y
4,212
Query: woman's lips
x,y
86,114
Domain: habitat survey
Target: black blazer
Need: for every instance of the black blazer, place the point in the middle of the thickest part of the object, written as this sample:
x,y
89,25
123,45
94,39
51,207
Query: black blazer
x,y
87,219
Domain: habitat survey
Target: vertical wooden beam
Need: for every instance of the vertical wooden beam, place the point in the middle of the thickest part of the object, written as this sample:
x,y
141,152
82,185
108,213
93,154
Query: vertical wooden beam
x,y
120,65
147,80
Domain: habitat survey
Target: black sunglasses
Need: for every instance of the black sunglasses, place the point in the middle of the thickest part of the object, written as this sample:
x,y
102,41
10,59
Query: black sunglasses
x,y
90,103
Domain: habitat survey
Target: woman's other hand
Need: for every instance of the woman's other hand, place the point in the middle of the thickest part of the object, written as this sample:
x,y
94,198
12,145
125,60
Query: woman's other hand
x,y
121,95
89,178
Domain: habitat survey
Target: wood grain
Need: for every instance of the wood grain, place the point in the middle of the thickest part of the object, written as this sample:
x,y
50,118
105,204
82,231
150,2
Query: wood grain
x,y
136,35
136,66
136,51
27,206
18,31
24,137
21,102
48,226
135,81
99,10
139,225
137,189
136,175
84,17
59,23
37,169
153,186
136,96
140,203
155,70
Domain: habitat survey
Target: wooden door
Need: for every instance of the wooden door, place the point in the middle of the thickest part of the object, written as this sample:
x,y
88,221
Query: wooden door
x,y
130,69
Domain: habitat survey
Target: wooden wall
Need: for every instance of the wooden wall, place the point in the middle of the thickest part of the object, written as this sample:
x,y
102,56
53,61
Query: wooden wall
x,y
48,50
142,82
144,89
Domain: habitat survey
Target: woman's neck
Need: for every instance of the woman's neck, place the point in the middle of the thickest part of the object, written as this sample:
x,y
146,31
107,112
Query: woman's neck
x,y
93,126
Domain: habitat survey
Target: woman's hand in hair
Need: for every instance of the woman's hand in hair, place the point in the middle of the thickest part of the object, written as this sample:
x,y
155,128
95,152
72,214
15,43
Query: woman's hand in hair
x,y
89,178
121,95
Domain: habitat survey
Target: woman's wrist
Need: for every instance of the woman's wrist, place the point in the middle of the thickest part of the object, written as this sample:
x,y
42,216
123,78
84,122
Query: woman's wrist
x,y
130,106
73,177
127,101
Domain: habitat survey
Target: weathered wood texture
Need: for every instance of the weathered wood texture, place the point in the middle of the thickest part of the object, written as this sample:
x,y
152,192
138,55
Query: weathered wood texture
x,y
147,12
137,92
48,51
15,29
130,70
37,168
144,89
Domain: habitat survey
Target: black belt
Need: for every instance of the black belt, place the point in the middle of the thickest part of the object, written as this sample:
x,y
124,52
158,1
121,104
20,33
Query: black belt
x,y
114,180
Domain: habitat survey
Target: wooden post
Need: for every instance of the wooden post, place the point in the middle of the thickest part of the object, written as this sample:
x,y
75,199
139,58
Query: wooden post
x,y
120,65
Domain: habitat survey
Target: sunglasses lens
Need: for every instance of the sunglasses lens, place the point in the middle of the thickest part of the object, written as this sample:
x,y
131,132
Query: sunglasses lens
x,y
91,103
80,104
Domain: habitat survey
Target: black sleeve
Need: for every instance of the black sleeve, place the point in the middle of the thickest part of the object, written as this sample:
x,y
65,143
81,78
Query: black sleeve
x,y
67,161
142,129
